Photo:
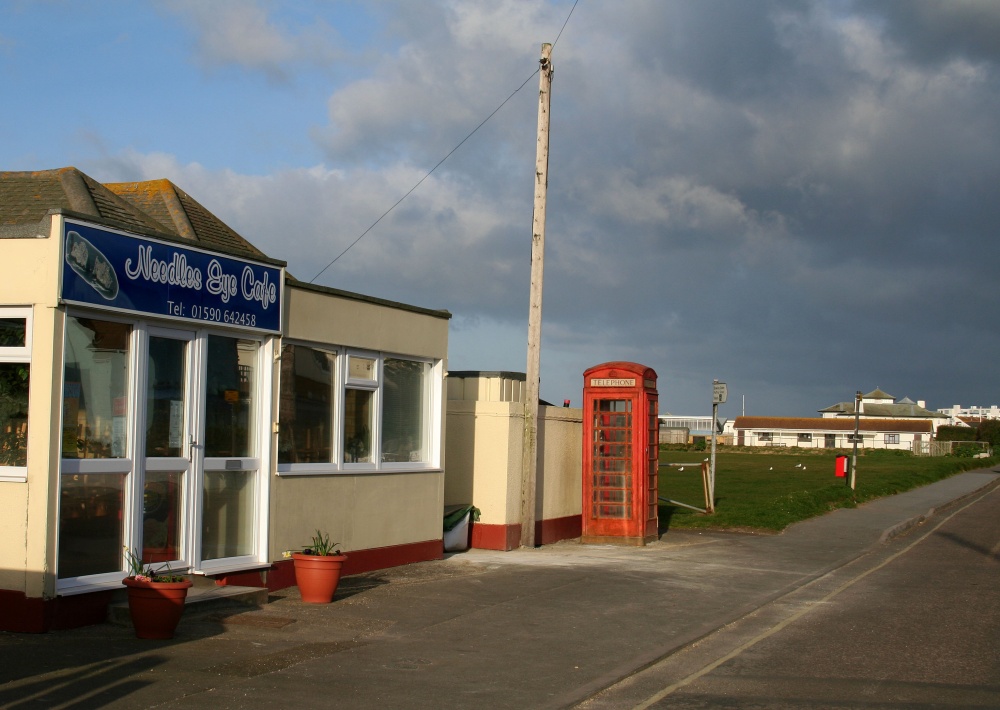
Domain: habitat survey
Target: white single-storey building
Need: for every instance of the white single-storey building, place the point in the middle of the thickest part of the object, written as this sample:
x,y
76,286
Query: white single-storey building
x,y
816,433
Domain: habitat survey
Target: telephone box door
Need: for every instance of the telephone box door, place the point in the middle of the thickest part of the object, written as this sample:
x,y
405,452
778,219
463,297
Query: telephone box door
x,y
620,454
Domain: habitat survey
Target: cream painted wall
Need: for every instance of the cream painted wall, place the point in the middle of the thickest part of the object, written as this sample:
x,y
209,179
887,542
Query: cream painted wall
x,y
323,317
561,468
358,511
484,458
484,445
29,271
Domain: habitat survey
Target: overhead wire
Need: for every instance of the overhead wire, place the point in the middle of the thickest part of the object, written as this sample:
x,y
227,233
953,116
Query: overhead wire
x,y
440,162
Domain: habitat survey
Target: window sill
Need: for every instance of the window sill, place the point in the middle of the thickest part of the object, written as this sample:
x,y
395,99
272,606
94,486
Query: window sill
x,y
312,469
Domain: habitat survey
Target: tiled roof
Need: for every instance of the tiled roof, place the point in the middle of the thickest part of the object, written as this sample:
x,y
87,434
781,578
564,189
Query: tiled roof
x,y
155,208
831,424
182,215
27,197
878,394
889,411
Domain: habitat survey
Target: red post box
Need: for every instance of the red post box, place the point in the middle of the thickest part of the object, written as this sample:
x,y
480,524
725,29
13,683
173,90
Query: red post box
x,y
841,466
621,445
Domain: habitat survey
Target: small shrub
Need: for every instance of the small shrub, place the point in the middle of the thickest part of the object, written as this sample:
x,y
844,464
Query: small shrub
x,y
966,451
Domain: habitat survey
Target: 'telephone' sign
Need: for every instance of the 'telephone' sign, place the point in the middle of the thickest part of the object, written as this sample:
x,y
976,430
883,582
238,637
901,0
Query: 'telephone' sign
x,y
128,273
608,382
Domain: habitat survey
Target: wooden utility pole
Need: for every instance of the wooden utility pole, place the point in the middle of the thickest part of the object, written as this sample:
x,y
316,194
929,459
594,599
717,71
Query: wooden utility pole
x,y
529,461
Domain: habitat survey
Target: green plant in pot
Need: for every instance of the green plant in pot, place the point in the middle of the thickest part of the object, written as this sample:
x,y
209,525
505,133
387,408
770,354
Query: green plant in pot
x,y
317,569
155,597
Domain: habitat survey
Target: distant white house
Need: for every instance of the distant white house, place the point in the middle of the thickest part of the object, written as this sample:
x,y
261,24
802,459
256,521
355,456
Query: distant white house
x,y
832,432
881,405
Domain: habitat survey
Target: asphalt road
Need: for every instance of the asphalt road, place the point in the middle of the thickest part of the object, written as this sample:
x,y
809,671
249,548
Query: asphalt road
x,y
914,624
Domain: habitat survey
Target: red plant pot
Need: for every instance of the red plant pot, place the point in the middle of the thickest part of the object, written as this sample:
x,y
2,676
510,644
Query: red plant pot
x,y
317,576
156,607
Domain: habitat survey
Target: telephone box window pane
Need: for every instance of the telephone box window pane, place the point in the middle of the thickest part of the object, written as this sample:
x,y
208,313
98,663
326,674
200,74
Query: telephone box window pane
x,y
358,411
95,389
612,496
14,413
404,391
306,403
91,532
161,516
610,511
230,396
227,516
605,481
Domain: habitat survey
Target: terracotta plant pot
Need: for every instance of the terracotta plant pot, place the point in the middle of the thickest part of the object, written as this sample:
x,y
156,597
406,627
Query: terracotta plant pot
x,y
156,607
317,576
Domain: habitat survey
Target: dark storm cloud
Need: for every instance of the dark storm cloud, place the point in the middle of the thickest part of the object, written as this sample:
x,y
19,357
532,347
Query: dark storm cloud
x,y
795,197
934,31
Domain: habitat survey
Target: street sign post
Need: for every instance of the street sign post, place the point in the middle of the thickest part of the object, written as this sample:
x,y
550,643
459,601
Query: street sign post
x,y
719,395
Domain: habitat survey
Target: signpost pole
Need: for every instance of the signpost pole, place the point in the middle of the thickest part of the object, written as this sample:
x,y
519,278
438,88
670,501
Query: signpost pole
x,y
857,425
719,395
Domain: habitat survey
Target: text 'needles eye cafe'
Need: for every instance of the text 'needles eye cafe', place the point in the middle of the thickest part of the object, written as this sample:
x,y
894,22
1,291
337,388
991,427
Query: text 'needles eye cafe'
x,y
167,388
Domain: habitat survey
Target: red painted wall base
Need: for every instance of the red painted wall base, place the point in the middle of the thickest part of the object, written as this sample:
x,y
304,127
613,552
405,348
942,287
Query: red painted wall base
x,y
34,615
508,537
282,574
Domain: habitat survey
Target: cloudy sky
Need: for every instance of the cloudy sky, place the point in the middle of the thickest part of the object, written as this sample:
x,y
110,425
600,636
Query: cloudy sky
x,y
797,198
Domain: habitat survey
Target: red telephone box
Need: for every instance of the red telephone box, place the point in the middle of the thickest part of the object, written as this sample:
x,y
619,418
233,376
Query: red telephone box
x,y
621,445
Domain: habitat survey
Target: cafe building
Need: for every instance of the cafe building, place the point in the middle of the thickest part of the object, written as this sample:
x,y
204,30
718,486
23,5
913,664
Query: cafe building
x,y
170,391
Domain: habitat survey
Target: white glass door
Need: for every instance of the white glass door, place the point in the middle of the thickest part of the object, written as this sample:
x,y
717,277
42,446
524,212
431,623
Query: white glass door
x,y
230,528
168,446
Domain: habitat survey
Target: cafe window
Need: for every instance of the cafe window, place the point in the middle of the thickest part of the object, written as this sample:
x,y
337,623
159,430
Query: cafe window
x,y
350,411
15,371
405,410
306,405
92,506
95,389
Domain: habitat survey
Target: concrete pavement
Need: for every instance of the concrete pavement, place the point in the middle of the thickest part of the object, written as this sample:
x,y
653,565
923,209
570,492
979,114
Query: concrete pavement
x,y
549,627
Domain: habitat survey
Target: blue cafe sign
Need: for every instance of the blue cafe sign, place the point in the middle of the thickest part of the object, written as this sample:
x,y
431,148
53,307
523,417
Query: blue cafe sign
x,y
127,273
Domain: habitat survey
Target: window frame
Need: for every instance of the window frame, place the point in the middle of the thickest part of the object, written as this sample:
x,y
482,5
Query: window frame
x,y
344,382
891,439
18,355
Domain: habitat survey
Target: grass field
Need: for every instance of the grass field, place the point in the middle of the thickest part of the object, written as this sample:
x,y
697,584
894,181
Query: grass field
x,y
768,491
